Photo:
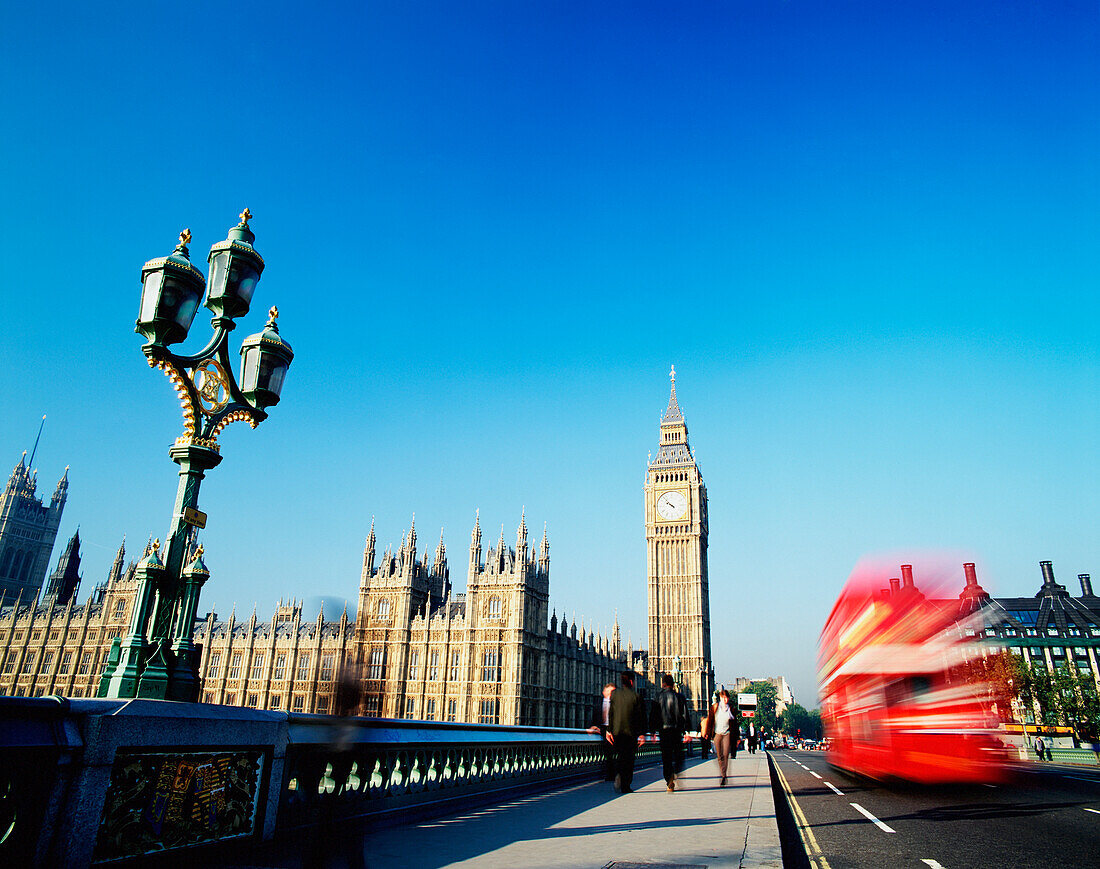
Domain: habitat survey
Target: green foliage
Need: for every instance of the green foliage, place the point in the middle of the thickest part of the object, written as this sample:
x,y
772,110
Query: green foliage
x,y
766,694
798,721
1062,698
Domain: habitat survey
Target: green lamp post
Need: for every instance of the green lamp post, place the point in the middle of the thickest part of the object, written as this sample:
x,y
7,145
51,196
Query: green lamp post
x,y
158,658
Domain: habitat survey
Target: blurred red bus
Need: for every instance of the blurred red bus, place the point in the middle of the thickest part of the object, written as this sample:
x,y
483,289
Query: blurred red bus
x,y
899,690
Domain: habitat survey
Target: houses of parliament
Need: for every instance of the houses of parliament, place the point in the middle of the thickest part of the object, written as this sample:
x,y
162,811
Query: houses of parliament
x,y
415,648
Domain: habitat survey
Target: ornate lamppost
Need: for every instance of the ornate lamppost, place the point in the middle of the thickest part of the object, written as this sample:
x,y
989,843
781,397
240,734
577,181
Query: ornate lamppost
x,y
158,657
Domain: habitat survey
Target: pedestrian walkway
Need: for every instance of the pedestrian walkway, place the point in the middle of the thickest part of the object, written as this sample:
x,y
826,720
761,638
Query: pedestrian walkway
x,y
590,825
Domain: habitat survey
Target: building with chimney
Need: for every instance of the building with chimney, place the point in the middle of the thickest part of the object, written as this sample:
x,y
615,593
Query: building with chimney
x,y
1051,628
28,529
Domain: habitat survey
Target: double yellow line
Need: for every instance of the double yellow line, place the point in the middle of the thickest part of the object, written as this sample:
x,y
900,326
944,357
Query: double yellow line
x,y
813,850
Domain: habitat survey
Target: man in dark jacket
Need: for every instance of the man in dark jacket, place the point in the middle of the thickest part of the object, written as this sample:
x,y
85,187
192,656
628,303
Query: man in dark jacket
x,y
600,723
627,723
669,719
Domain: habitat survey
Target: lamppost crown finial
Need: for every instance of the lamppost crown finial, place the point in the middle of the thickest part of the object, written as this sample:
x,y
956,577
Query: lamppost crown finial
x,y
245,216
185,238
272,315
156,545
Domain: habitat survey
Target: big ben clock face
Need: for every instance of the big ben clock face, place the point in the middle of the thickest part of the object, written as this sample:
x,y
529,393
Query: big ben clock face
x,y
672,505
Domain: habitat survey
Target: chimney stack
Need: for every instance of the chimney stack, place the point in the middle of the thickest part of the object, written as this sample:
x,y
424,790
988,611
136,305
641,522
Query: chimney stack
x,y
1086,585
895,584
1048,572
971,575
907,575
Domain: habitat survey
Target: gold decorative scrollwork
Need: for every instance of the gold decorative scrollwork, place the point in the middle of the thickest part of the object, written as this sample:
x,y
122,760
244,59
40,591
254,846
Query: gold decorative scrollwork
x,y
212,386
186,405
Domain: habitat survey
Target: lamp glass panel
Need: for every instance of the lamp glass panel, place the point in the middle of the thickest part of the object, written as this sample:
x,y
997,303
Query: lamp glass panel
x,y
218,266
249,369
186,313
272,373
150,293
246,278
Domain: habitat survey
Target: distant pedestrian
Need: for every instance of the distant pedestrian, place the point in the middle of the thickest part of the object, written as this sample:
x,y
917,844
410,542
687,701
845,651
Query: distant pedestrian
x,y
669,719
600,723
627,724
753,739
1040,747
722,728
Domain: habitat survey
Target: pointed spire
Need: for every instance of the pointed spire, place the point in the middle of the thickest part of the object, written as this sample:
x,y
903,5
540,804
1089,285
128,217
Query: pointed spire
x,y
368,552
440,553
412,539
672,412
120,559
62,491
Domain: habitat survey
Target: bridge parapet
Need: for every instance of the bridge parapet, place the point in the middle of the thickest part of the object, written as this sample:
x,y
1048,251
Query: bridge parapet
x,y
90,782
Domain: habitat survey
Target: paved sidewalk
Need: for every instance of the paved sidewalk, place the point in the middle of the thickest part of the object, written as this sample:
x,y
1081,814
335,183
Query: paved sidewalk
x,y
590,825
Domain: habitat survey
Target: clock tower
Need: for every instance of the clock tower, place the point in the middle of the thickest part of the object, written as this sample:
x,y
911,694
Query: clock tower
x,y
676,544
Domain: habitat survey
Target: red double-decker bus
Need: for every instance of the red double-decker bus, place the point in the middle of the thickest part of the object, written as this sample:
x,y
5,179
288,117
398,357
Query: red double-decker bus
x,y
902,695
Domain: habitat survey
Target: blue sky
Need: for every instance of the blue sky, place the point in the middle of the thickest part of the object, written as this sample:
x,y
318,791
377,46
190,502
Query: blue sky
x,y
865,233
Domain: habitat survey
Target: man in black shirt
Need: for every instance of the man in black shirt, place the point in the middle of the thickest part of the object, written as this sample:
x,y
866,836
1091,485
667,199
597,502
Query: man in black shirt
x,y
669,719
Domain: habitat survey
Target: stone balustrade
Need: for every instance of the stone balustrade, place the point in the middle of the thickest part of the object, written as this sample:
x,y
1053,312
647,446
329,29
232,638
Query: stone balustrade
x,y
86,782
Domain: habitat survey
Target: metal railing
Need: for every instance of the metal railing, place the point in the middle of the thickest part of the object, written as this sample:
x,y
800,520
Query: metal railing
x,y
86,782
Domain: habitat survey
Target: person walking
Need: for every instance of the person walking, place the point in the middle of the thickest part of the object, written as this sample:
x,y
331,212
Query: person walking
x,y
600,723
722,728
669,719
752,738
626,722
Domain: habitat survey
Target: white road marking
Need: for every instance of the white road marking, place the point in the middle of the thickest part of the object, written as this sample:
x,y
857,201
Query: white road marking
x,y
988,786
1094,811
872,818
838,792
1081,778
932,863
814,774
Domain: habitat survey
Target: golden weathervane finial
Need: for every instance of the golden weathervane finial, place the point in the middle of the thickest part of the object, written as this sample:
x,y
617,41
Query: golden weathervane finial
x,y
245,216
198,552
273,314
156,545
185,237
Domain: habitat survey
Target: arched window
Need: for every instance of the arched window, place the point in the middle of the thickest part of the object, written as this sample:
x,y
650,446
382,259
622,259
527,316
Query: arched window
x,y
384,606
494,607
5,563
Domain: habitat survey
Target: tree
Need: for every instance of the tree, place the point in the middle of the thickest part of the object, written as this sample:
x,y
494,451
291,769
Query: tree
x,y
798,721
766,694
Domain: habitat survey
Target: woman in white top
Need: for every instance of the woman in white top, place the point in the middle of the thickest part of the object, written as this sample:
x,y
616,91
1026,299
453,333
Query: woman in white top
x,y
721,726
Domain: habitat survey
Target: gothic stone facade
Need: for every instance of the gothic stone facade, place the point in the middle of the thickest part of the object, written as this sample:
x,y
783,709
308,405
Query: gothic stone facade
x,y
416,649
490,655
677,529
28,529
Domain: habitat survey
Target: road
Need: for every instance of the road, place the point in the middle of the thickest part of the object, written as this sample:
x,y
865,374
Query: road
x,y
1049,817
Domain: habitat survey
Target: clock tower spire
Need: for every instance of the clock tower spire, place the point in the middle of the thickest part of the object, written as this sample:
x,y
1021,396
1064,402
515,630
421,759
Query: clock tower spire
x,y
676,542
